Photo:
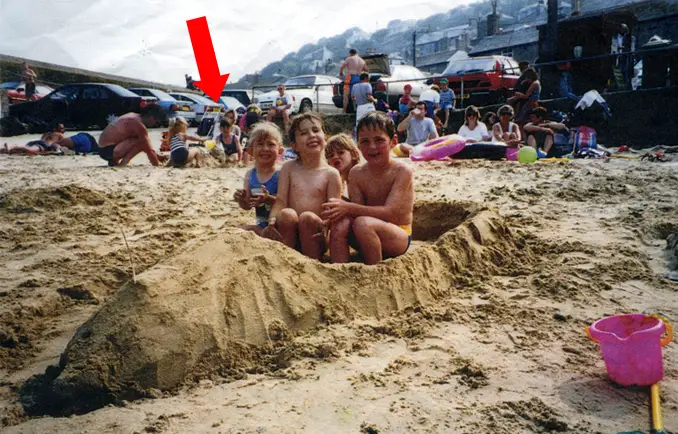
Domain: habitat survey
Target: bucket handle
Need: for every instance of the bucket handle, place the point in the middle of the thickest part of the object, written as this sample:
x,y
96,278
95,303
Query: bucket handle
x,y
663,342
668,328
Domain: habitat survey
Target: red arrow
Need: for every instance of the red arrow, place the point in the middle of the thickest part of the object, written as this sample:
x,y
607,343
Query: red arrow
x,y
212,82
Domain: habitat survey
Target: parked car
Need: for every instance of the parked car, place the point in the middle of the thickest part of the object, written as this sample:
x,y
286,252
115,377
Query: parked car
x,y
309,92
487,80
241,95
229,102
203,106
390,79
168,103
16,91
80,105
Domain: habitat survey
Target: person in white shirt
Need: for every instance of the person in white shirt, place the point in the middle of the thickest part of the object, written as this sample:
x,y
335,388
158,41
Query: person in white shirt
x,y
473,130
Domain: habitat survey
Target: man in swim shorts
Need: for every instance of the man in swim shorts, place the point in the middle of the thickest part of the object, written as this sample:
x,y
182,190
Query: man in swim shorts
x,y
127,136
354,66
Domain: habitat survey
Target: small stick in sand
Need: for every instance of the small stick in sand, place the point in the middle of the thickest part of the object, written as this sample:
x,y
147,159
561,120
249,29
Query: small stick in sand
x,y
129,252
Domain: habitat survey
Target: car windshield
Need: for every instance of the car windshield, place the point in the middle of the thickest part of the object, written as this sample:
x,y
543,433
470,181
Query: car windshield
x,y
470,65
121,90
161,95
10,85
231,102
300,81
200,99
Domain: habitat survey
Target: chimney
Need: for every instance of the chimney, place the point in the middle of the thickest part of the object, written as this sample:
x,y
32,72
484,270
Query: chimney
x,y
482,29
576,7
492,24
493,20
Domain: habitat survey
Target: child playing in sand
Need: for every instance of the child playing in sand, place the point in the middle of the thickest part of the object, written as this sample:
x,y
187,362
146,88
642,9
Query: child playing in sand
x,y
342,154
180,153
261,182
228,146
305,184
379,215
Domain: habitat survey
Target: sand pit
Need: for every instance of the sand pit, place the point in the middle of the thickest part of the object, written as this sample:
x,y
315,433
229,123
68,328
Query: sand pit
x,y
232,302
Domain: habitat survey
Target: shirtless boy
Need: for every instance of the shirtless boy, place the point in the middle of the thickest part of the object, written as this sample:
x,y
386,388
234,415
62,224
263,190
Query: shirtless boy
x,y
304,185
379,215
354,66
127,136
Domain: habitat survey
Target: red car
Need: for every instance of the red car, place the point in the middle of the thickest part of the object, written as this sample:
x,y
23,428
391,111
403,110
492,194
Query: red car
x,y
17,91
487,80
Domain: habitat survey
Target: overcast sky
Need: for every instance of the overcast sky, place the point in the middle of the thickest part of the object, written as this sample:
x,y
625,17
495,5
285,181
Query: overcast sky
x,y
148,39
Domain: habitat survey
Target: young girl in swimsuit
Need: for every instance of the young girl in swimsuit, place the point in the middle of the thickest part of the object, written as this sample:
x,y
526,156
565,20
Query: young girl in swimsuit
x,y
180,153
261,182
228,144
342,154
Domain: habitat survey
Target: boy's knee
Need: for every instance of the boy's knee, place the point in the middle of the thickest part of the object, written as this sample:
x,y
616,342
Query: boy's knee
x,y
287,216
361,225
309,218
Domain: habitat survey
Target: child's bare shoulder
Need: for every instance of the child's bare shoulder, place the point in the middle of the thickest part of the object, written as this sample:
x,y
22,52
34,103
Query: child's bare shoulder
x,y
288,166
403,169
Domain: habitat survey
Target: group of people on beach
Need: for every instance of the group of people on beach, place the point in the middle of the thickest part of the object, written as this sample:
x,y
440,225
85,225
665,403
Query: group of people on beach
x,y
325,198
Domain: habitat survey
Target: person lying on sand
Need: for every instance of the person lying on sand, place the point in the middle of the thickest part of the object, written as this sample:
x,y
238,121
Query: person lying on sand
x,y
48,143
81,143
305,184
379,215
127,136
261,182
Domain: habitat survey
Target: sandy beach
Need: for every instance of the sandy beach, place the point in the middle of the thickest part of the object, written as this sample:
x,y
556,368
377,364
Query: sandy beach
x,y
479,328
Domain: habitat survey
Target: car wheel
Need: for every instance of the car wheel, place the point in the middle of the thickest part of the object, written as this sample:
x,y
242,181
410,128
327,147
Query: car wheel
x,y
305,106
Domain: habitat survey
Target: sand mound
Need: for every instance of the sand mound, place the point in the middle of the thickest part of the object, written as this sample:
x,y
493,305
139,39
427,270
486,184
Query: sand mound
x,y
27,200
230,301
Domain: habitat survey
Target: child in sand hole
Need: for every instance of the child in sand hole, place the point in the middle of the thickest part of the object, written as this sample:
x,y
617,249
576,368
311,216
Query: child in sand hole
x,y
305,184
379,216
261,182
227,149
342,154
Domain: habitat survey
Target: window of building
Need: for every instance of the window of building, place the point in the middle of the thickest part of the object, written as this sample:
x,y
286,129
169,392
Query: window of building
x,y
507,52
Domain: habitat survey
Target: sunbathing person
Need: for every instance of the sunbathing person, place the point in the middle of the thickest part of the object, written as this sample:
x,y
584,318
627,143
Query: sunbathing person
x,y
48,143
127,136
81,143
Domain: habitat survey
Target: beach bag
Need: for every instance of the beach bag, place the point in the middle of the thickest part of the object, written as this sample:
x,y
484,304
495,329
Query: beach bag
x,y
206,126
583,138
562,145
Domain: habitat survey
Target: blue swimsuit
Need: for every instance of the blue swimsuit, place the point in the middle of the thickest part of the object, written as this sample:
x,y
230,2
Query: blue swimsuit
x,y
263,211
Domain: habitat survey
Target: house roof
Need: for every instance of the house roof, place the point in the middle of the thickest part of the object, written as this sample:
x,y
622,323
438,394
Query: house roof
x,y
452,32
521,36
435,58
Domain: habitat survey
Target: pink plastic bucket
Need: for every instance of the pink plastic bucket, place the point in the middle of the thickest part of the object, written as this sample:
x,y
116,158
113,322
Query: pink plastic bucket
x,y
512,154
632,347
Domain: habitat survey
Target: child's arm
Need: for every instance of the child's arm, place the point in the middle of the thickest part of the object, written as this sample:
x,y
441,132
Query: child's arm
x,y
243,196
196,138
283,193
397,205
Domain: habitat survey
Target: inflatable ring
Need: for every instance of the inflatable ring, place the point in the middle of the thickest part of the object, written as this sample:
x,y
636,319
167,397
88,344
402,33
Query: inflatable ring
x,y
439,148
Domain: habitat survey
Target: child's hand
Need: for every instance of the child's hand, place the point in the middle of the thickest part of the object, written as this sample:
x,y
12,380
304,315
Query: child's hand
x,y
259,199
335,209
242,197
271,232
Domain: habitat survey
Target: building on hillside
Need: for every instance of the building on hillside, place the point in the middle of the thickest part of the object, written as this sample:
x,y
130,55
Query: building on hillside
x,y
537,12
396,59
434,49
315,62
520,43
